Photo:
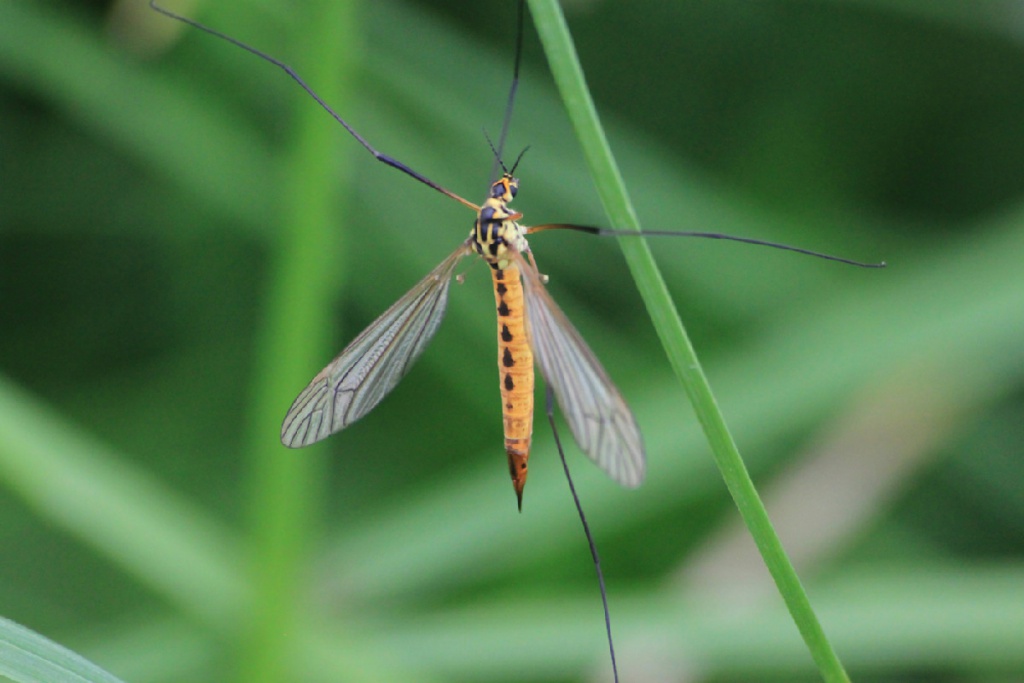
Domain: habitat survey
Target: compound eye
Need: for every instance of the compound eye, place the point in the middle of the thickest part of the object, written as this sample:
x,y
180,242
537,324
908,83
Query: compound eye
x,y
513,188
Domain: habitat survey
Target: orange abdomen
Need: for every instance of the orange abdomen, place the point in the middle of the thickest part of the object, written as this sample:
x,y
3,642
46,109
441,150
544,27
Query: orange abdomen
x,y
515,373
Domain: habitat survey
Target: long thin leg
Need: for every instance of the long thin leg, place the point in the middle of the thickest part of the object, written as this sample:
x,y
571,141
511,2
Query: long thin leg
x,y
549,396
607,232
390,161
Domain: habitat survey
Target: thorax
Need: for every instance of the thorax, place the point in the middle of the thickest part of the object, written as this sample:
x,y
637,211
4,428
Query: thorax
x,y
496,229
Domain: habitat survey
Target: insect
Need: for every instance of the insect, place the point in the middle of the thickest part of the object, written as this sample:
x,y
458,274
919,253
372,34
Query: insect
x,y
531,328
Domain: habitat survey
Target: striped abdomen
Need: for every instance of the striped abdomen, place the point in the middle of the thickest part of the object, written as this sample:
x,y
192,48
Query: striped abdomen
x,y
515,371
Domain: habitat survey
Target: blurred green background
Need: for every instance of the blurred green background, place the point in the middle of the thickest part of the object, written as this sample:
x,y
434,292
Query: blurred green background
x,y
185,240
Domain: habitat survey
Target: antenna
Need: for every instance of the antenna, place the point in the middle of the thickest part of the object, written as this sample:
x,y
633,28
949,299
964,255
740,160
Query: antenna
x,y
511,94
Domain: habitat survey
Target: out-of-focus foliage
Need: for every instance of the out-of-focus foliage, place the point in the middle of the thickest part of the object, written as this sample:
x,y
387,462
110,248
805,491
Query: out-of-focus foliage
x,y
149,177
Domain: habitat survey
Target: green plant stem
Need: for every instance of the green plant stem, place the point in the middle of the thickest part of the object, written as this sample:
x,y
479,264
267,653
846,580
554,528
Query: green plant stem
x,y
568,74
285,486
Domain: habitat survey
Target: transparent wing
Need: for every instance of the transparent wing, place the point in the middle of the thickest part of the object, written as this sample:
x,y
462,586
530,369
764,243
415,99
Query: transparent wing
x,y
599,418
370,367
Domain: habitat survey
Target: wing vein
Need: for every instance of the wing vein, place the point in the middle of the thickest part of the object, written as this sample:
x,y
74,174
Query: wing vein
x,y
600,420
373,363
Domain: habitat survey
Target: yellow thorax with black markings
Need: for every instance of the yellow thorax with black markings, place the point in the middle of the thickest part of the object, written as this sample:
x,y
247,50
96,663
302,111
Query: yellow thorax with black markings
x,y
496,227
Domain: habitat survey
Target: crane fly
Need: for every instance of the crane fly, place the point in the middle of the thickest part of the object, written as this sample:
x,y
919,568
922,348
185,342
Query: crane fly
x,y
531,327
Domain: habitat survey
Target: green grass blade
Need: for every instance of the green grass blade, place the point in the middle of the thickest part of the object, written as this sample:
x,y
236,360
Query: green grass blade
x,y
27,657
286,486
569,78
